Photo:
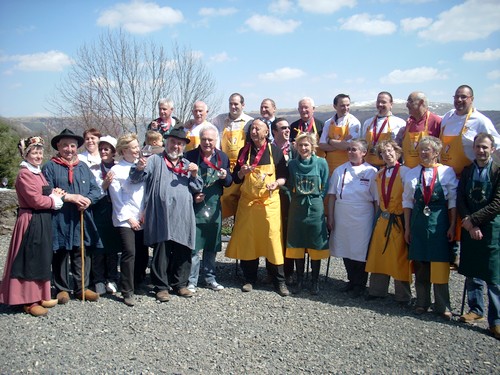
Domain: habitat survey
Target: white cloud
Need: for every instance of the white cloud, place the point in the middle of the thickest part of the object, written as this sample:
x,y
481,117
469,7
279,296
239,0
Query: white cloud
x,y
368,24
220,57
494,74
280,6
271,25
487,55
474,19
52,61
325,6
412,24
282,74
139,17
216,12
415,75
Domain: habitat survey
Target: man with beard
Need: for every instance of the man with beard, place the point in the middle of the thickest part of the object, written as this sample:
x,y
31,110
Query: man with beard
x,y
169,220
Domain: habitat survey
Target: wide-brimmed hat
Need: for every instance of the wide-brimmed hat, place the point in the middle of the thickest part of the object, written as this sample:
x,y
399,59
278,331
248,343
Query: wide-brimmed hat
x,y
66,133
109,139
178,133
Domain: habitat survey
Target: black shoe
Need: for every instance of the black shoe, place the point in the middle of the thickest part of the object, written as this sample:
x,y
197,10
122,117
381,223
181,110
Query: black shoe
x,y
369,297
346,288
282,290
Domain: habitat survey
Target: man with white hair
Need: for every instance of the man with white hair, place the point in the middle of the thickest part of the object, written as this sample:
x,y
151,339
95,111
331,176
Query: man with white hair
x,y
213,168
169,221
307,122
166,122
193,126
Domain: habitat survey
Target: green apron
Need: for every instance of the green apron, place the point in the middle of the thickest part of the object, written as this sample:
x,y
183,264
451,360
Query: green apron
x,y
306,217
208,212
481,258
428,233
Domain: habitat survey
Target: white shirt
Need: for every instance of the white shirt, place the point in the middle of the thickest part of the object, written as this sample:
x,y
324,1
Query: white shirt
x,y
127,198
93,162
352,122
477,123
354,183
394,123
447,179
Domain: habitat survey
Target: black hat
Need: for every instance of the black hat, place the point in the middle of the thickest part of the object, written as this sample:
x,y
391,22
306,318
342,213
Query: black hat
x,y
66,133
178,133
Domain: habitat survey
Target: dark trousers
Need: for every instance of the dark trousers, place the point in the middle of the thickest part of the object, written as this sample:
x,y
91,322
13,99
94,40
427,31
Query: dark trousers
x,y
134,259
356,273
67,270
250,268
171,265
104,267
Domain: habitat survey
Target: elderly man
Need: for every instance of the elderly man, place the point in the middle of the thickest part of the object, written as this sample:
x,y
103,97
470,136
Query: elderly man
x,y
383,126
192,127
166,122
213,167
421,123
478,202
337,132
261,169
307,122
232,128
169,220
67,172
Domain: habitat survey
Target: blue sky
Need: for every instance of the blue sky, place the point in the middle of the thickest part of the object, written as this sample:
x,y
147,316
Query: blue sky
x,y
283,49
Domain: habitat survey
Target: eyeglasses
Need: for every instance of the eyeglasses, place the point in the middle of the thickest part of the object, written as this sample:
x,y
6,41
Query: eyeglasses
x,y
105,149
353,149
461,97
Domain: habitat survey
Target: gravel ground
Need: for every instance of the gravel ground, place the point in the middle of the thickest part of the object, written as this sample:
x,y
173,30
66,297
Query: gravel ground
x,y
244,333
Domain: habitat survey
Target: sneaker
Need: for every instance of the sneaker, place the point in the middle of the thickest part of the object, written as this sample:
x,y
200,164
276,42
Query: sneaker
x,y
214,285
191,288
471,317
111,287
100,288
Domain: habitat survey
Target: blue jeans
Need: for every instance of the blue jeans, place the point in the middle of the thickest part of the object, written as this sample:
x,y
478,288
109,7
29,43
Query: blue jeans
x,y
208,267
475,288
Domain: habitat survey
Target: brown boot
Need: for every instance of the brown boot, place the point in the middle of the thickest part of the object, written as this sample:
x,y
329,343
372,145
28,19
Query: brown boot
x,y
89,296
63,297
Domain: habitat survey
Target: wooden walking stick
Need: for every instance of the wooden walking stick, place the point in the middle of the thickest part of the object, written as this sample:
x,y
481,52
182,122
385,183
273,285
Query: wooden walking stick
x,y
82,254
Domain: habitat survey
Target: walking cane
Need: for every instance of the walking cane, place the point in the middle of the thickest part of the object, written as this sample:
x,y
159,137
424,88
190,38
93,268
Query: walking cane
x,y
82,255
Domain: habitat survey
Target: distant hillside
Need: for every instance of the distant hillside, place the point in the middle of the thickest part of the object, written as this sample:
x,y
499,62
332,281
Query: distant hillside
x,y
51,125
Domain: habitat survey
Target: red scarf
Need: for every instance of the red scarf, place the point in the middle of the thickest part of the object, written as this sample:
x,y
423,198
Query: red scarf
x,y
65,163
246,151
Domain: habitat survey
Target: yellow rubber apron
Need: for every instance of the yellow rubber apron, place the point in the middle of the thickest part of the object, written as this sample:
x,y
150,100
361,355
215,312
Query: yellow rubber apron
x,y
371,156
257,228
232,141
410,144
337,157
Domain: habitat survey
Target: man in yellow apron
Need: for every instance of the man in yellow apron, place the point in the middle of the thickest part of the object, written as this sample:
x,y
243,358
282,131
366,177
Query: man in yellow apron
x,y
260,170
337,132
421,123
232,128
383,126
307,122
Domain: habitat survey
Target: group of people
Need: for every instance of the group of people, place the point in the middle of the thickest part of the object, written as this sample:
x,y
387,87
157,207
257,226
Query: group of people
x,y
392,197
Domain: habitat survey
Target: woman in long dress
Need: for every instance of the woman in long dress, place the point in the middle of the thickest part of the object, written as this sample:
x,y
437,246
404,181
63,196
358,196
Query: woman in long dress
x,y
27,272
388,252
307,231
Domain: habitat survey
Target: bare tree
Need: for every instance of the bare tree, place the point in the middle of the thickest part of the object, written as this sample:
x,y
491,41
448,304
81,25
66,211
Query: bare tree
x,y
116,82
